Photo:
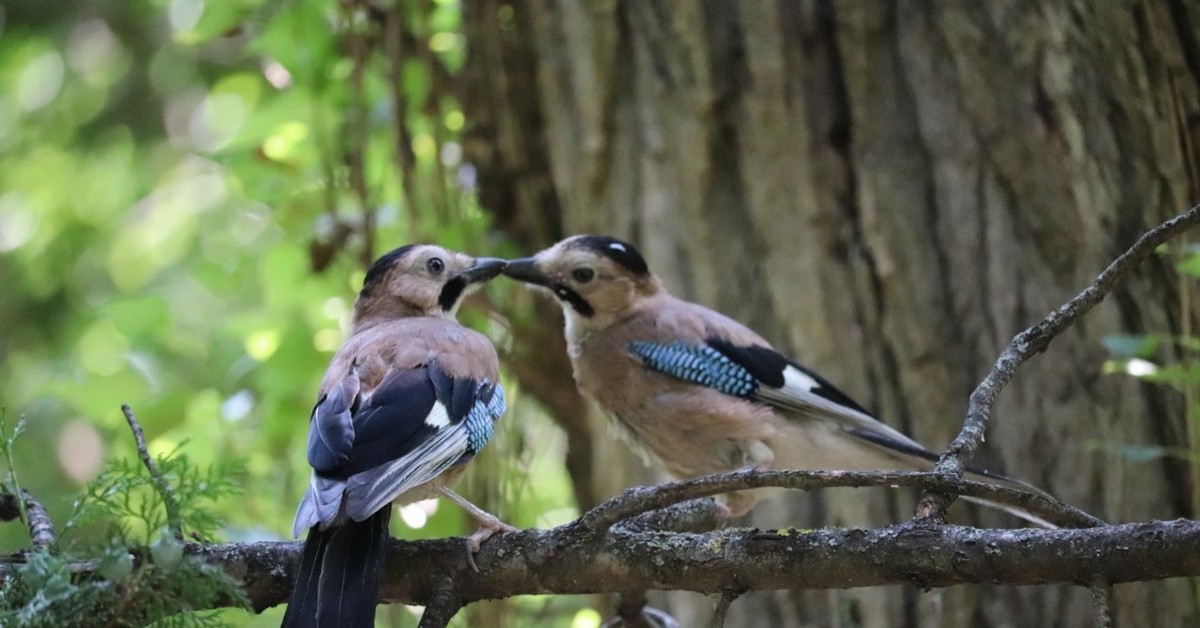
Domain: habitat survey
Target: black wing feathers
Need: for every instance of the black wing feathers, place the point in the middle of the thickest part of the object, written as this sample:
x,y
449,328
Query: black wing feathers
x,y
768,366
457,395
765,365
890,443
390,422
331,435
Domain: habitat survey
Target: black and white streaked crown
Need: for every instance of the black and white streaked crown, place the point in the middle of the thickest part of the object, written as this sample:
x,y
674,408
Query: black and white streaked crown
x,y
618,251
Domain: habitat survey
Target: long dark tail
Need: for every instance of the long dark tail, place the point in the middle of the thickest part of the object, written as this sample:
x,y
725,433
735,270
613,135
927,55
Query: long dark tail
x,y
337,584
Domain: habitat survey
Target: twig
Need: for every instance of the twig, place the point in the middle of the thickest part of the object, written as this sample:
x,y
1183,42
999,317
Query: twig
x,y
722,609
1035,339
357,41
9,440
41,528
696,515
164,488
1101,599
640,499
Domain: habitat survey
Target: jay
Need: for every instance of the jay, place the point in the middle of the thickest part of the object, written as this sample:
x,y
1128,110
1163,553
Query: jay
x,y
406,402
698,392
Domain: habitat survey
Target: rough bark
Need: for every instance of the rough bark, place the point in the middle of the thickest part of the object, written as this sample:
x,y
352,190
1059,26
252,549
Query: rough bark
x,y
569,560
582,557
890,191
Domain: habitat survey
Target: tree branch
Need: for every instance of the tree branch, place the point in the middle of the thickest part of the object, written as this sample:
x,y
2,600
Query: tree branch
x,y
1034,340
1101,598
571,559
641,499
161,485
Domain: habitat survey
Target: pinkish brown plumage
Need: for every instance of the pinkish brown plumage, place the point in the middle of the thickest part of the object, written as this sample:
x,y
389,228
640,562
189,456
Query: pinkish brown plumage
x,y
406,402
695,390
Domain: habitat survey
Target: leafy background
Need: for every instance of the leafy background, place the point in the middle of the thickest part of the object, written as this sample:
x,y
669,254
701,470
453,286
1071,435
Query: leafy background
x,y
189,192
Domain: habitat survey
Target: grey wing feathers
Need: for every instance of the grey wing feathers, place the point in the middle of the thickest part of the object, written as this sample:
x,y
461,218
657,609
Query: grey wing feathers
x,y
375,488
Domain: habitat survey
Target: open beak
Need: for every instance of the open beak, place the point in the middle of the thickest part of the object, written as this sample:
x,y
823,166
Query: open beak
x,y
484,268
525,269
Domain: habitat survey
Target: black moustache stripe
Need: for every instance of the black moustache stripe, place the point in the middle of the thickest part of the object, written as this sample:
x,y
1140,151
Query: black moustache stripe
x,y
577,302
451,293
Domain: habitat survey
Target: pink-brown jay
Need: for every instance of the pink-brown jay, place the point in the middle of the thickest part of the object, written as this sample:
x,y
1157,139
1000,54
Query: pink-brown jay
x,y
406,402
697,391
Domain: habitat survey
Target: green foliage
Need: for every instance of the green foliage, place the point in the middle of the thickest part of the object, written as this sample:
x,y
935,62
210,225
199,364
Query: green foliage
x,y
124,495
8,444
188,193
136,574
123,590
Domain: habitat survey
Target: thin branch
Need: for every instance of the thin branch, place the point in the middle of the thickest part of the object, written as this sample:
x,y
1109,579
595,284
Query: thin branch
x,y
394,37
41,528
1101,601
356,40
640,499
7,445
161,485
696,515
1034,340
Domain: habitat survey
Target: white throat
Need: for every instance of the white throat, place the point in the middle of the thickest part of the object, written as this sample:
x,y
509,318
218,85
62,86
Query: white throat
x,y
577,329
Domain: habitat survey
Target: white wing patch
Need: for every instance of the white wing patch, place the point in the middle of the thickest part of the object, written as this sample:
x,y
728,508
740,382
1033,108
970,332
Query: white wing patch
x,y
618,246
438,417
797,394
795,379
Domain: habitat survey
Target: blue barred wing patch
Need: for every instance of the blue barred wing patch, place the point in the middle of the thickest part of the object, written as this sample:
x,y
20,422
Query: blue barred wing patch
x,y
481,419
697,364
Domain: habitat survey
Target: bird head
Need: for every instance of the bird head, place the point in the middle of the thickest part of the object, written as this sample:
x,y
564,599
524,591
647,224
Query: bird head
x,y
594,278
420,280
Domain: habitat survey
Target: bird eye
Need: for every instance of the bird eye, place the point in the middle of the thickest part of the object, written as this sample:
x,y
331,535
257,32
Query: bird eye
x,y
583,275
435,265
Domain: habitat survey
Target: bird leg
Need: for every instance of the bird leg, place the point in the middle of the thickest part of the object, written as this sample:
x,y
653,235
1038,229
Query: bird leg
x,y
736,504
489,524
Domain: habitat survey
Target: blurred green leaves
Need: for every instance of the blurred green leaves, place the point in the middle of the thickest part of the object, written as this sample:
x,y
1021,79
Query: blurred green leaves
x,y
189,190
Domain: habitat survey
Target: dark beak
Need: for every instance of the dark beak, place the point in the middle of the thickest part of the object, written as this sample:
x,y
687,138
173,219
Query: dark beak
x,y
485,268
525,269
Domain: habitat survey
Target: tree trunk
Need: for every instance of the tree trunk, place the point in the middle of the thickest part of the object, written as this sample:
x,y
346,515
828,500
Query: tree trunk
x,y
888,191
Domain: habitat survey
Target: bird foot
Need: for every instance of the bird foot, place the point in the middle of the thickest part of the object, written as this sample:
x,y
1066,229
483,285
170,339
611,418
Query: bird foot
x,y
489,524
488,527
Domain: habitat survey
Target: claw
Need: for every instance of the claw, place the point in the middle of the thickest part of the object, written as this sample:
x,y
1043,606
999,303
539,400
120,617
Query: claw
x,y
487,528
489,524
